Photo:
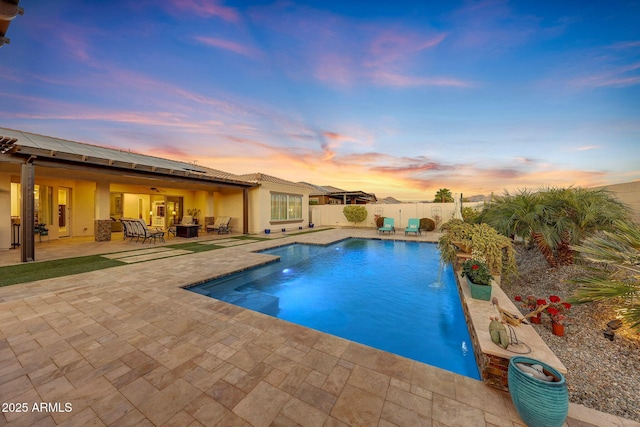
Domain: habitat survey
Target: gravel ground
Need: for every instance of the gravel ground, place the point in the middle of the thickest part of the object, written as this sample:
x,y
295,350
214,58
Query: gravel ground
x,y
602,374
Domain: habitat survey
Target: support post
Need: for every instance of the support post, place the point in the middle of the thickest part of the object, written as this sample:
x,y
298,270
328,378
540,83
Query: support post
x,y
27,182
245,211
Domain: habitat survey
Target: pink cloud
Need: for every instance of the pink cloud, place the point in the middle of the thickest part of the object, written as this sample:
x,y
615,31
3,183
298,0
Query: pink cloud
x,y
395,46
234,47
612,77
206,8
385,78
338,50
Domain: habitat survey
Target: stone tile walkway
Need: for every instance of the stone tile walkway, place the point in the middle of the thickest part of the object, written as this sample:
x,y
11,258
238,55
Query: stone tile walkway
x,y
128,346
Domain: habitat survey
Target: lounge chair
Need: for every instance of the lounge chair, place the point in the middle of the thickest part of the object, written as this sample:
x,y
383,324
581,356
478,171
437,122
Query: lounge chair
x,y
413,226
387,225
221,225
138,228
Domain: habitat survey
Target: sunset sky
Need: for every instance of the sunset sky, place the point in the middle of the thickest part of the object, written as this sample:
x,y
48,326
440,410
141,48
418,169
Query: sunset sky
x,y
398,98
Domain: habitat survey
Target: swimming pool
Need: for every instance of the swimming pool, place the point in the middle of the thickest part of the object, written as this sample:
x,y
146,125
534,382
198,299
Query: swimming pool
x,y
391,295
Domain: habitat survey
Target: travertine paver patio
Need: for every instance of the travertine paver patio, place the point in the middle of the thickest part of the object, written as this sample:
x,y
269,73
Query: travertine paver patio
x,y
128,346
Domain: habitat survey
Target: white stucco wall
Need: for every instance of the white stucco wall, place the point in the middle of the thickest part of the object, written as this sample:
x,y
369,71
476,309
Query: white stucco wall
x,y
331,215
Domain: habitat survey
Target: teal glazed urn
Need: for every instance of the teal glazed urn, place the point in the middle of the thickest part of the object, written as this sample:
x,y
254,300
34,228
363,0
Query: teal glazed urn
x,y
539,403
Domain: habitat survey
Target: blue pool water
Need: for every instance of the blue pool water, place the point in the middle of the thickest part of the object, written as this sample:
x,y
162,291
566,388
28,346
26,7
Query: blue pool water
x,y
390,295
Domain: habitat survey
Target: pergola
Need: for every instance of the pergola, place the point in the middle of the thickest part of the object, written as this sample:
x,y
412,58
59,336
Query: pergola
x,y
9,9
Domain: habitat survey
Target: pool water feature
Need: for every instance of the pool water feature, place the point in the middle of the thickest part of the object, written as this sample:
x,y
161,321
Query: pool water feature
x,y
392,295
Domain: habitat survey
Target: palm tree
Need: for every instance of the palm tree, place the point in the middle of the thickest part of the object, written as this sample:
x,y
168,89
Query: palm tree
x,y
525,215
555,218
443,196
581,212
618,280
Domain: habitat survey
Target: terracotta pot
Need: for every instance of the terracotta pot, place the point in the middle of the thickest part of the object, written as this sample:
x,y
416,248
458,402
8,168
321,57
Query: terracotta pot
x,y
557,329
536,319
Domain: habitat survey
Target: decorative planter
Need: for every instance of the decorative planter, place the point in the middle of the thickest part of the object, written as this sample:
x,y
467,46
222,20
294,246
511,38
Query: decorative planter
x,y
267,231
539,403
481,292
311,225
536,319
557,329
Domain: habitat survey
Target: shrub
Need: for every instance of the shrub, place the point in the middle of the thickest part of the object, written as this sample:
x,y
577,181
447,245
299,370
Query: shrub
x,y
355,213
470,215
484,242
379,221
427,224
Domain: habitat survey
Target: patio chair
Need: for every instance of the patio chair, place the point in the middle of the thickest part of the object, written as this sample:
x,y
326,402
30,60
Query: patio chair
x,y
221,225
140,230
42,230
127,229
387,226
413,226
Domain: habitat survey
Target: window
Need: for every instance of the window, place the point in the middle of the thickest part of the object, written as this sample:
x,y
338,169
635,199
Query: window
x,y
285,207
43,204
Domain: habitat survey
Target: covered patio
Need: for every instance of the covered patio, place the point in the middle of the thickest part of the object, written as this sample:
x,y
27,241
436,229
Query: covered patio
x,y
77,189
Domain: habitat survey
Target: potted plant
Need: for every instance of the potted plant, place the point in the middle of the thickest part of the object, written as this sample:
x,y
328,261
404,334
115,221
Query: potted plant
x,y
532,304
195,212
482,242
478,278
556,310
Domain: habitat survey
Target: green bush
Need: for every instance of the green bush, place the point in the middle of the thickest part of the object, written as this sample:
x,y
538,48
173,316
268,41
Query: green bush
x,y
427,224
470,215
355,213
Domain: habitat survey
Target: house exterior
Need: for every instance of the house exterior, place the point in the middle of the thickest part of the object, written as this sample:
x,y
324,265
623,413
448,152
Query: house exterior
x,y
78,189
276,204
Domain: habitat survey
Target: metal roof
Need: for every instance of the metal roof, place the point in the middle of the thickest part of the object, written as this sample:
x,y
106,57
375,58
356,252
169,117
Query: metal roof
x,y
18,143
261,177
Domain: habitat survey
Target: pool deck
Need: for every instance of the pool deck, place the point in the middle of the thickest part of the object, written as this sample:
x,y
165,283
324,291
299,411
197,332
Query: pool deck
x,y
128,346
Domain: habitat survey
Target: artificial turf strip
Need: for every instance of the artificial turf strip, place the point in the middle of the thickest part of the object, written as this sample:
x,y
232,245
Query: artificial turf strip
x,y
32,271
308,232
256,238
194,247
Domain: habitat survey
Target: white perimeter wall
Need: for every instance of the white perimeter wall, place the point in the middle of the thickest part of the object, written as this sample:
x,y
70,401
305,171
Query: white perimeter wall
x,y
331,215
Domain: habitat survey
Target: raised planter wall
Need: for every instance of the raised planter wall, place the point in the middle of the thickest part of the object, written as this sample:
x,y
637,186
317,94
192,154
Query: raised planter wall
x,y
493,360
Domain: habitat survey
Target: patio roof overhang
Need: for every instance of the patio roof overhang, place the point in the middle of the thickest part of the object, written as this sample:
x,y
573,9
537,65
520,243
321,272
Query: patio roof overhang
x,y
90,162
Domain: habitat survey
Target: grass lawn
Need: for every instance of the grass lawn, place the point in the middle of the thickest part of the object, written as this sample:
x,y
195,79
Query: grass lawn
x,y
29,272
